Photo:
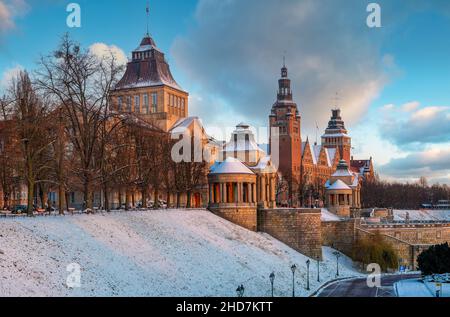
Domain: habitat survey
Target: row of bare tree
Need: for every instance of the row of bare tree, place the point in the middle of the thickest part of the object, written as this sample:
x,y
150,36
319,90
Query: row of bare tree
x,y
58,132
378,193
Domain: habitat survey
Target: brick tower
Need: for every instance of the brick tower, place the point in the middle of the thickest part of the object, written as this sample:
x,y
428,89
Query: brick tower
x,y
148,89
336,136
286,118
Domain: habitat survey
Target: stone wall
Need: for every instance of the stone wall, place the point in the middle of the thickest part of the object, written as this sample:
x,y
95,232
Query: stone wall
x,y
340,235
298,228
409,240
244,216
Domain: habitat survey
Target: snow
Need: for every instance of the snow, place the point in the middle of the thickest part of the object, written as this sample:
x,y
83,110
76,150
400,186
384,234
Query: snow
x,y
418,288
230,166
339,185
422,215
149,253
328,216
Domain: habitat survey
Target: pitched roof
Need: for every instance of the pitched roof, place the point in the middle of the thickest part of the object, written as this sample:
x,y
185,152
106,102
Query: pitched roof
x,y
339,185
148,68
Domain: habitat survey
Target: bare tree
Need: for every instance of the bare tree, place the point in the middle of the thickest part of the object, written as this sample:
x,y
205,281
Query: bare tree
x,y
30,118
81,83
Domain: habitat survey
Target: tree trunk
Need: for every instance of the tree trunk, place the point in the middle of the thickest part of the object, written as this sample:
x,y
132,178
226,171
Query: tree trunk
x,y
30,208
144,193
178,200
127,200
106,205
168,199
87,194
61,194
156,206
120,198
188,199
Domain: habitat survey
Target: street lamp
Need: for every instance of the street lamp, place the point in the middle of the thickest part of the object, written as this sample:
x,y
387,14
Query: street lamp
x,y
318,269
337,255
272,279
240,291
293,269
308,262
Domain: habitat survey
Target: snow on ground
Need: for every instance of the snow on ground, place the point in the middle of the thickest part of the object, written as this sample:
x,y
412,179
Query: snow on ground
x,y
417,288
149,253
328,216
422,215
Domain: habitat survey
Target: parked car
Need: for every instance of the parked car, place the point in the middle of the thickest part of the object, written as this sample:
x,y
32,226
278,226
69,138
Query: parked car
x,y
19,209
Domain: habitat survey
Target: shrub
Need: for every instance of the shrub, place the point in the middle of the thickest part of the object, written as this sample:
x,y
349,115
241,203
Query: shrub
x,y
375,249
435,260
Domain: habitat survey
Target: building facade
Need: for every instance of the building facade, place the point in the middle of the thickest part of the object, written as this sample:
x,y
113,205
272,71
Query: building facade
x,y
148,88
307,166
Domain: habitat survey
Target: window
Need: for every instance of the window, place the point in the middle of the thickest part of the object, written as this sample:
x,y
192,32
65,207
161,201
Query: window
x,y
146,108
72,198
119,103
129,103
137,104
154,102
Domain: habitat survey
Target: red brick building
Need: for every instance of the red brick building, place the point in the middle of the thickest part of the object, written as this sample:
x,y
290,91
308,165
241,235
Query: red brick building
x,y
304,166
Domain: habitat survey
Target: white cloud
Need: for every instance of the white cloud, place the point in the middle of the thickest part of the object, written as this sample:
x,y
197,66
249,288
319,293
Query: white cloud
x,y
103,50
9,10
427,125
234,53
410,106
433,163
8,75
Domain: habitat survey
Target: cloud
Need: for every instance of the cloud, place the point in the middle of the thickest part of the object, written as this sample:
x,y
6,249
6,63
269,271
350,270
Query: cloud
x,y
103,50
410,106
426,125
235,52
9,10
7,77
433,163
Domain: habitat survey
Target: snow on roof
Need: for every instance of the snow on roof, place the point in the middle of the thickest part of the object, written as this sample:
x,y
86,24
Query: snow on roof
x,y
339,185
230,166
265,165
331,153
342,173
183,124
334,135
242,139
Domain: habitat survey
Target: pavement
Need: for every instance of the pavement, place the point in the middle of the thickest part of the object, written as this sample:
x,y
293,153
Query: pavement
x,y
358,287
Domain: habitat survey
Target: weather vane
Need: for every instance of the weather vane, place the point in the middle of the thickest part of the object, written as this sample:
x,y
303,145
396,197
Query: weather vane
x,y
147,9
336,100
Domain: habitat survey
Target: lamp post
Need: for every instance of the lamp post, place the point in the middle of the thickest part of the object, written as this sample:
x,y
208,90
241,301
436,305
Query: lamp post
x,y
308,262
337,255
293,269
272,279
318,269
240,291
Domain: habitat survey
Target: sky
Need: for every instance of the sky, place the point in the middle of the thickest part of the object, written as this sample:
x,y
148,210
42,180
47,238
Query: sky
x,y
393,82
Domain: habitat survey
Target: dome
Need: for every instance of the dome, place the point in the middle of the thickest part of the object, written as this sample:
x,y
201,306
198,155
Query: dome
x,y
230,166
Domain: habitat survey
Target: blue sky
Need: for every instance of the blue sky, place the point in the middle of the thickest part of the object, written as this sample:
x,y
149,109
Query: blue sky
x,y
394,82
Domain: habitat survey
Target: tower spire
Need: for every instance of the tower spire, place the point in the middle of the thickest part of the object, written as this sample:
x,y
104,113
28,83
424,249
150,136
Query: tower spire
x,y
147,10
336,101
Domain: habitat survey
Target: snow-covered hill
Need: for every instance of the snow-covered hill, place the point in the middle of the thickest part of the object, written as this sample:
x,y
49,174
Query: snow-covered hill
x,y
149,253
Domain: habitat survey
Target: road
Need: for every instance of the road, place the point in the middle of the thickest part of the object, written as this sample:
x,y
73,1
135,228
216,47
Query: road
x,y
359,288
